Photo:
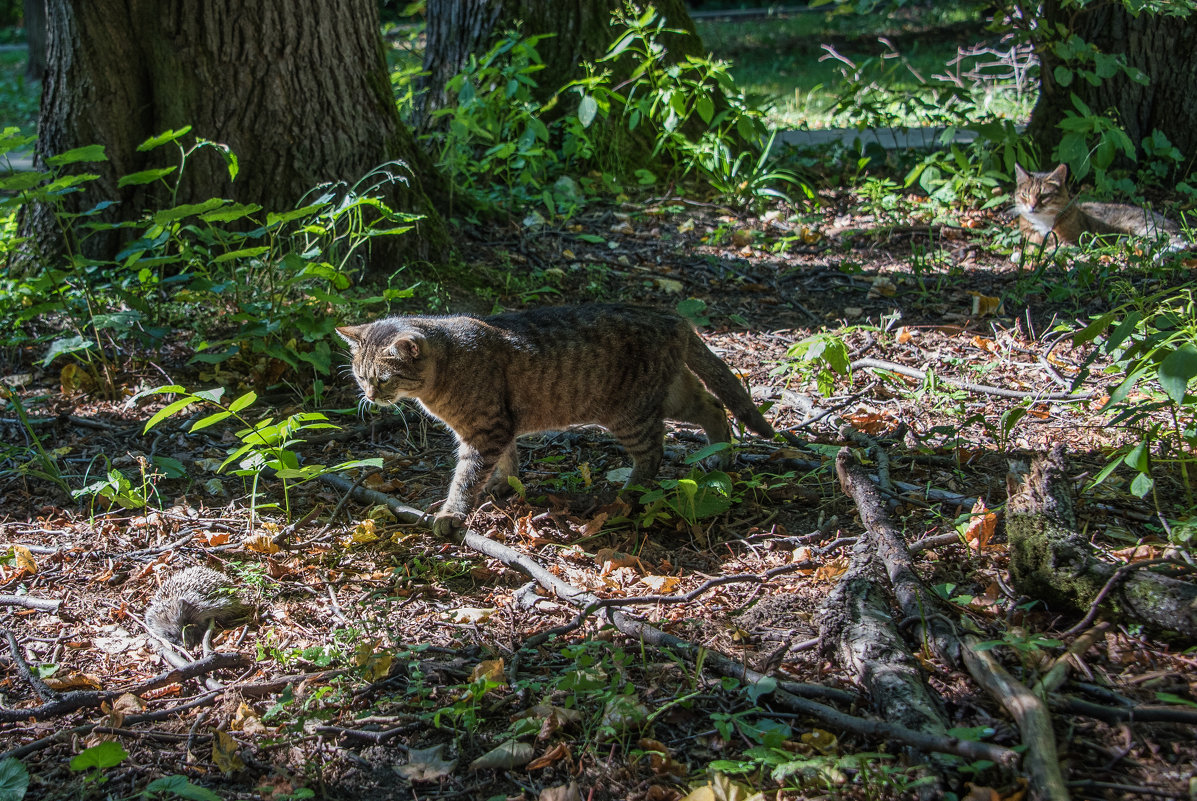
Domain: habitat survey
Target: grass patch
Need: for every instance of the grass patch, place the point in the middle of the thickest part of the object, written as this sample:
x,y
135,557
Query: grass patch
x,y
892,59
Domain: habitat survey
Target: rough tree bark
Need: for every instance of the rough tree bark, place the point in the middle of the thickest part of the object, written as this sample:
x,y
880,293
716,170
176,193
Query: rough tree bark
x,y
1159,45
1050,560
298,90
581,31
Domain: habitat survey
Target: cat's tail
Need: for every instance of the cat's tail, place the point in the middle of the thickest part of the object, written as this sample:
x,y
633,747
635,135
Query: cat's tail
x,y
720,380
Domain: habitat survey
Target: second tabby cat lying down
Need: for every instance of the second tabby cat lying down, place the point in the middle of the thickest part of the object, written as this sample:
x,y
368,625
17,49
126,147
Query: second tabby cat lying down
x,y
492,379
1047,213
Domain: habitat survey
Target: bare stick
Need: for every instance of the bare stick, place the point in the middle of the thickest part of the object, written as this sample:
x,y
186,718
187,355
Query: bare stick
x,y
69,702
1034,721
912,372
41,604
1050,681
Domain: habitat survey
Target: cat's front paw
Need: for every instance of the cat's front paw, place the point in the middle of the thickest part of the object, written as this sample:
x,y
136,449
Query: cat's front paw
x,y
446,525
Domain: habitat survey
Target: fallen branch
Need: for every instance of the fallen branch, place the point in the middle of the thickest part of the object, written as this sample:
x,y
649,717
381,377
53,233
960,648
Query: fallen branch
x,y
1001,392
1040,760
719,662
1056,675
64,703
914,599
29,602
1143,713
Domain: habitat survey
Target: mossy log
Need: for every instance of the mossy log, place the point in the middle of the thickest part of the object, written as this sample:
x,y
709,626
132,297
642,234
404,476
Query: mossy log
x,y
1051,561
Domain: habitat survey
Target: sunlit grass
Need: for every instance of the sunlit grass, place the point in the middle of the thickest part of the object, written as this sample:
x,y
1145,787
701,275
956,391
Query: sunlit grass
x,y
810,68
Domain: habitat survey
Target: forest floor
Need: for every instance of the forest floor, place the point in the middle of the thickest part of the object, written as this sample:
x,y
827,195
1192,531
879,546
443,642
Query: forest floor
x,y
373,640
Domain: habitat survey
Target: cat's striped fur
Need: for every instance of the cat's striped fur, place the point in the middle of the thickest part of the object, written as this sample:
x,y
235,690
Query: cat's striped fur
x,y
491,379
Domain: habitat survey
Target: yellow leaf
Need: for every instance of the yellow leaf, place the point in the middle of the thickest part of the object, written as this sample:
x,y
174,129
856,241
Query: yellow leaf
x,y
687,226
72,379
25,560
904,335
364,532
983,305
490,670
822,741
381,512
261,543
660,583
224,753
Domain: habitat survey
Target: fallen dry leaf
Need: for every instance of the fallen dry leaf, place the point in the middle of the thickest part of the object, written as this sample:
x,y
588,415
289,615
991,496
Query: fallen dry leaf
x,y
555,754
510,754
981,526
563,792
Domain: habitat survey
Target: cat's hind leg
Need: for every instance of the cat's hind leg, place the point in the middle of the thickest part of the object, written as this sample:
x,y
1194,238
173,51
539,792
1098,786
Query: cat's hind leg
x,y
644,440
508,465
689,401
475,464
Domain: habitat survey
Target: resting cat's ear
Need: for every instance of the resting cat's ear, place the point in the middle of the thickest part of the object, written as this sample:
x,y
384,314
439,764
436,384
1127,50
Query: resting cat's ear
x,y
1020,175
352,334
1059,175
407,346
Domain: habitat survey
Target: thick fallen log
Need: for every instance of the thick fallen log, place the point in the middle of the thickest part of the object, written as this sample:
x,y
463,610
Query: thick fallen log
x,y
1051,561
857,622
873,647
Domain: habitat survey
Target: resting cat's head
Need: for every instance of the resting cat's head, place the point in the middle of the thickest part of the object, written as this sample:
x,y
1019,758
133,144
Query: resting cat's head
x,y
1041,193
390,361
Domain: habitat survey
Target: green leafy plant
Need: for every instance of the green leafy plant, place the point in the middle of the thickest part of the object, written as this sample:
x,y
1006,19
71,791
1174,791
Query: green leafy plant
x,y
697,496
267,445
821,357
1153,342
176,786
95,760
43,464
14,780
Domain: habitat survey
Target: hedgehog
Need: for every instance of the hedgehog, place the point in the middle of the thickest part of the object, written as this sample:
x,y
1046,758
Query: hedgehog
x,y
188,601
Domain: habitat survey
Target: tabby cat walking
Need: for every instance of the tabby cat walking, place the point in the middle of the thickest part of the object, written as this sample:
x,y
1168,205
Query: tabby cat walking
x,y
491,379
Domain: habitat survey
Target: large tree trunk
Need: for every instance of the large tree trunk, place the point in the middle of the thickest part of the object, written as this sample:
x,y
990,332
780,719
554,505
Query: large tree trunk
x,y
581,31
1161,46
298,90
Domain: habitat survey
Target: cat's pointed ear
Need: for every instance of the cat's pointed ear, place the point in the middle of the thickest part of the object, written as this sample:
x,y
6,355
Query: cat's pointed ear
x,y
1059,175
407,346
1020,175
353,335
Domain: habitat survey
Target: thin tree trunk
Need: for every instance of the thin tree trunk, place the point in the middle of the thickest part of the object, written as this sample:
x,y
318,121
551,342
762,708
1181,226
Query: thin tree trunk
x,y
580,30
35,38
